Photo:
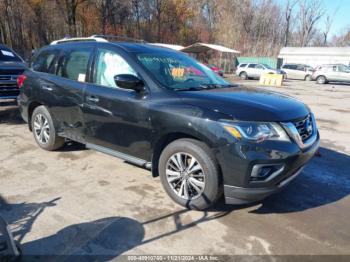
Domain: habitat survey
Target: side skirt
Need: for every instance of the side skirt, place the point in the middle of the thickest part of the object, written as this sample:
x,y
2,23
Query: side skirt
x,y
126,157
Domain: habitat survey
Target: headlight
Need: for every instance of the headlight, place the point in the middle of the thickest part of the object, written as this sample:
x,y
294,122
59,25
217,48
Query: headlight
x,y
256,131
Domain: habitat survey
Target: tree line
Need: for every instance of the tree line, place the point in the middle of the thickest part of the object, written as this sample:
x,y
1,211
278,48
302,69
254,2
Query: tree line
x,y
254,27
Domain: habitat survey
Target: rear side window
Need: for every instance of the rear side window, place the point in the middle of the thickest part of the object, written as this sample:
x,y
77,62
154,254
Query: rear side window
x,y
252,65
242,65
44,61
74,64
301,68
287,66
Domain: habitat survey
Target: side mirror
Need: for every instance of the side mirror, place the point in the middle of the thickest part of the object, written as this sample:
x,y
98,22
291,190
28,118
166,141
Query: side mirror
x,y
128,81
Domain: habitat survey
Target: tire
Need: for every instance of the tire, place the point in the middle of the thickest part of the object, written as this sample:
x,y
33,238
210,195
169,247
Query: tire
x,y
308,78
205,175
243,75
321,80
44,130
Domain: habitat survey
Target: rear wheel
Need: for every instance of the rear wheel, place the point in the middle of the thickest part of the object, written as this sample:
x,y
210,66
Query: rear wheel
x,y
321,80
243,75
189,174
44,130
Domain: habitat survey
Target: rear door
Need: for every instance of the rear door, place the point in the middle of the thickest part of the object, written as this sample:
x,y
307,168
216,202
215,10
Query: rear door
x,y
116,119
292,72
252,70
259,70
333,73
300,72
64,90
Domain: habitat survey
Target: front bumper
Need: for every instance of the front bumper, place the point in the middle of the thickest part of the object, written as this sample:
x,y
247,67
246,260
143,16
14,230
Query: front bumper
x,y
237,169
240,195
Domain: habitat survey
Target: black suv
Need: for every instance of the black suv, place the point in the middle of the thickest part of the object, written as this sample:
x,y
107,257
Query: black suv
x,y
163,110
11,66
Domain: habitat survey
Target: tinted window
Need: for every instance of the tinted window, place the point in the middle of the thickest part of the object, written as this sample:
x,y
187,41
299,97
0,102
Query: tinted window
x,y
7,55
242,65
252,65
286,67
44,61
300,68
74,64
108,65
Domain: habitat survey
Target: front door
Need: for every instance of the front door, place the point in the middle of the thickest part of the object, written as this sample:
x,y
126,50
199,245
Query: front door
x,y
116,118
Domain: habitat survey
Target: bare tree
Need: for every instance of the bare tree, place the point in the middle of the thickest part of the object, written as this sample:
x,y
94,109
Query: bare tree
x,y
288,16
310,12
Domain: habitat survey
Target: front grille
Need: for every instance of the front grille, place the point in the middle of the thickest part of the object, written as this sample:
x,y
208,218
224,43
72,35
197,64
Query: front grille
x,y
304,127
15,72
5,77
9,89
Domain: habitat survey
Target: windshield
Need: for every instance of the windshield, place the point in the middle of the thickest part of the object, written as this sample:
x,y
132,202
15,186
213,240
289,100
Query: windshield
x,y
6,55
180,72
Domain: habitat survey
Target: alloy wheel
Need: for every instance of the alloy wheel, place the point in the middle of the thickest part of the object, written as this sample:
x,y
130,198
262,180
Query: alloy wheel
x,y
185,176
41,128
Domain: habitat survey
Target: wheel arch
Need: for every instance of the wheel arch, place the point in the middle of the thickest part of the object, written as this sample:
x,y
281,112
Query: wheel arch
x,y
31,108
165,140
326,79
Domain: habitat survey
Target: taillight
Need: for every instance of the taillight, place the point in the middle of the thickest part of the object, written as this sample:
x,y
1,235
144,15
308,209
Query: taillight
x,y
20,80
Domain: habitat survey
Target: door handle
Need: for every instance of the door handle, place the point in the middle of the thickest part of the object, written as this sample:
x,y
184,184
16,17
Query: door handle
x,y
47,88
93,99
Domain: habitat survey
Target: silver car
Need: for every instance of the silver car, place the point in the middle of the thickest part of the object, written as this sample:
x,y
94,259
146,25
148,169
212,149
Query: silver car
x,y
331,73
254,70
298,71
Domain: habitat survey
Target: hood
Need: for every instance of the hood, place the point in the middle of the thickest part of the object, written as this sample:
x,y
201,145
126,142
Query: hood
x,y
11,68
248,104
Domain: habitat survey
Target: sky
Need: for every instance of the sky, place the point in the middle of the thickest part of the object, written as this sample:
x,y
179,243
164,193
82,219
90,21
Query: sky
x,y
341,19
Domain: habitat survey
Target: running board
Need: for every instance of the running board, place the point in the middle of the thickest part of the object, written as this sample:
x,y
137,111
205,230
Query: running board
x,y
126,157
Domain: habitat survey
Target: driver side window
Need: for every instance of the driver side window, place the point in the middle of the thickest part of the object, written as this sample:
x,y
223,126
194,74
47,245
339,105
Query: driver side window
x,y
108,65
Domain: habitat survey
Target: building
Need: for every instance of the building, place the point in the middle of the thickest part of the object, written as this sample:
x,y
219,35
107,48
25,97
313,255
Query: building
x,y
315,56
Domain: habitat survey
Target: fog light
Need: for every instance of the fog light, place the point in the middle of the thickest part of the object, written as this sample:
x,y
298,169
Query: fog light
x,y
263,172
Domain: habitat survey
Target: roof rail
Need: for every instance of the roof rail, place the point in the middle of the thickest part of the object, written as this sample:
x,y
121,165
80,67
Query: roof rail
x,y
117,38
78,39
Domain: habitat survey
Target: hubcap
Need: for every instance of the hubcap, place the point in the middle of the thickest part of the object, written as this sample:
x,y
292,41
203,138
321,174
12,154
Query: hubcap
x,y
41,128
185,176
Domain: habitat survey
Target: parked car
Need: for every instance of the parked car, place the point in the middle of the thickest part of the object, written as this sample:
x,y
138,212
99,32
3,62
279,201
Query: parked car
x,y
216,69
298,71
202,135
11,65
255,70
331,73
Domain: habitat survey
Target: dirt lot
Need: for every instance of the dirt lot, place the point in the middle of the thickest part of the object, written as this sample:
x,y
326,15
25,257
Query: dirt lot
x,y
78,201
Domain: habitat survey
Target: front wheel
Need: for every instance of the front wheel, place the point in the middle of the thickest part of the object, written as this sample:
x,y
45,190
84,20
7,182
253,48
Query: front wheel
x,y
189,174
44,130
321,80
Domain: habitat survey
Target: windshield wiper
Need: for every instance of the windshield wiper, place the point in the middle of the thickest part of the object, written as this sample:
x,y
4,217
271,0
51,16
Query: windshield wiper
x,y
214,86
205,87
189,89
